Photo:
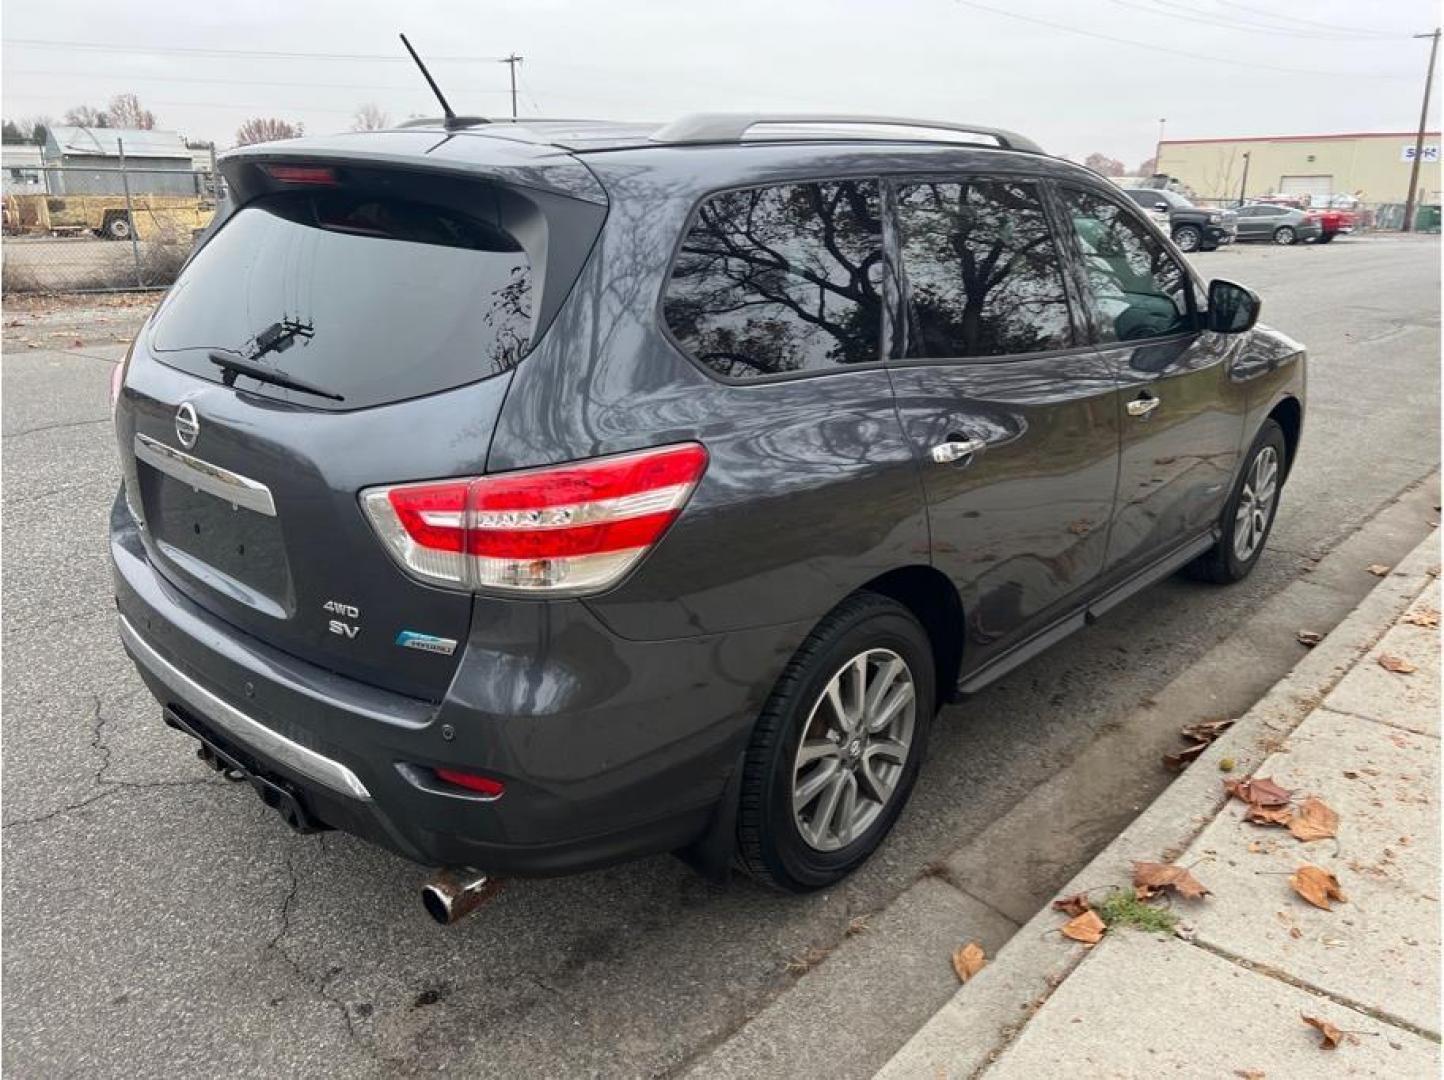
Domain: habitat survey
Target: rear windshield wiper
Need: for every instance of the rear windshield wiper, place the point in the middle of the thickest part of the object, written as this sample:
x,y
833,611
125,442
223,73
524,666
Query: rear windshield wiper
x,y
233,366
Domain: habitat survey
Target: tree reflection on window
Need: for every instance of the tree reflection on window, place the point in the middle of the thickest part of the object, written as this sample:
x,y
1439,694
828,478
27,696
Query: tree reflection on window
x,y
781,279
982,270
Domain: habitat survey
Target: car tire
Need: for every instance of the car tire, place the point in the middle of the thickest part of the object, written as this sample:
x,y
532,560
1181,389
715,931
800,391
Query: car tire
x,y
117,227
1188,237
1235,555
1285,235
793,832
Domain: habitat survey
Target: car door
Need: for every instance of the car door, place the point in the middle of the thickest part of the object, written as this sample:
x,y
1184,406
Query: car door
x,y
1181,413
1249,218
1012,416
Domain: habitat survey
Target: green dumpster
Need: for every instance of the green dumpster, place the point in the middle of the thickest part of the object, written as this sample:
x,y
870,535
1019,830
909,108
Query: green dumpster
x,y
1427,219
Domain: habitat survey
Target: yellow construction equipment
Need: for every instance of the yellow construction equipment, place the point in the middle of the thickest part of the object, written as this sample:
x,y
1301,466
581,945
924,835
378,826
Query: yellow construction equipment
x,y
153,217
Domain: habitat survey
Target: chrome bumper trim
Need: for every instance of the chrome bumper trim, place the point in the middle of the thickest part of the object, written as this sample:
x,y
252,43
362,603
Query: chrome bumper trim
x,y
253,733
234,488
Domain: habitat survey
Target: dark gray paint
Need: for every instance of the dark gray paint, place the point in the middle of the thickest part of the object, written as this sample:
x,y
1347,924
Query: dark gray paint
x,y
617,720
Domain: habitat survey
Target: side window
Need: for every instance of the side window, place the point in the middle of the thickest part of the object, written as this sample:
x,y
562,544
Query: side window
x,y
781,279
982,270
1140,289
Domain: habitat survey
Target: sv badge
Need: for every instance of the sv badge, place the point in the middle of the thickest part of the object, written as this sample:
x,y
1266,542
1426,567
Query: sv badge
x,y
336,626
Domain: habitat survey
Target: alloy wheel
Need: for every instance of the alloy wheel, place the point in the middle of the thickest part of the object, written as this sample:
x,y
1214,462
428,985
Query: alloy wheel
x,y
853,750
1255,504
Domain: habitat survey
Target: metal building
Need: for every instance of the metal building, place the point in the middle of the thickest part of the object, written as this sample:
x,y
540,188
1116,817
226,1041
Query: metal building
x,y
1372,167
157,162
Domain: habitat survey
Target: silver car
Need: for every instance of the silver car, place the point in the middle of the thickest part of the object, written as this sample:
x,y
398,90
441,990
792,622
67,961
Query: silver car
x,y
1280,224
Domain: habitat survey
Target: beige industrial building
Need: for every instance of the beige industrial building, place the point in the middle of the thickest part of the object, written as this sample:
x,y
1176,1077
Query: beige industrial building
x,y
1370,166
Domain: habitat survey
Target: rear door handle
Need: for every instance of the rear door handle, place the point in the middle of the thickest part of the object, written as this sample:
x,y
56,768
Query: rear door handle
x,y
945,453
1142,405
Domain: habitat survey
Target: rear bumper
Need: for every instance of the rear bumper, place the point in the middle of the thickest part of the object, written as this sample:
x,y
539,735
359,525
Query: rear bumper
x,y
610,749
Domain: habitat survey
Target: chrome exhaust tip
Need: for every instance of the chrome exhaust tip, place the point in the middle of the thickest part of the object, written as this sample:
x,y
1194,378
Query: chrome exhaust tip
x,y
452,895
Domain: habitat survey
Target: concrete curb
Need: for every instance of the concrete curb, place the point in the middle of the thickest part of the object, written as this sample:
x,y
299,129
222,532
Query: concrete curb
x,y
987,1014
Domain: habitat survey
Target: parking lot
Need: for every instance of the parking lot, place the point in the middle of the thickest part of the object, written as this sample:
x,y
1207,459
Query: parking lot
x,y
162,922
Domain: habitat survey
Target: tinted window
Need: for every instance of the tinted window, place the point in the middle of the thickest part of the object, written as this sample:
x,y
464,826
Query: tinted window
x,y
781,279
373,298
982,270
1141,291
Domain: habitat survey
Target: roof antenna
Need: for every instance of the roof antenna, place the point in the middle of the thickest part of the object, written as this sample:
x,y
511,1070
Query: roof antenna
x,y
451,120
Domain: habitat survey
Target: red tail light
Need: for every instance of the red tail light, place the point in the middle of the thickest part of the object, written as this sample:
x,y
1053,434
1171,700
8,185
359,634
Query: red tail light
x,y
318,175
561,530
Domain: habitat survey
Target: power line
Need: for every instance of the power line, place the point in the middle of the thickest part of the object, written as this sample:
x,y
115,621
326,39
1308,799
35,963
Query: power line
x,y
235,82
269,109
1182,11
1165,49
252,54
1292,18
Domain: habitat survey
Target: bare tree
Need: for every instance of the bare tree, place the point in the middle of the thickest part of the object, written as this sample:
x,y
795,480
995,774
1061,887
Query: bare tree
x,y
86,116
126,111
1104,165
266,129
34,128
370,117
1149,167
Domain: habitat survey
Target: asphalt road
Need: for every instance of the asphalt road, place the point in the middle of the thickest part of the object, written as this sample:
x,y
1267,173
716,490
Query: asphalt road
x,y
161,922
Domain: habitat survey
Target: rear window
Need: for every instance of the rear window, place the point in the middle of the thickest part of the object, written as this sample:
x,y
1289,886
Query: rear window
x,y
367,296
781,280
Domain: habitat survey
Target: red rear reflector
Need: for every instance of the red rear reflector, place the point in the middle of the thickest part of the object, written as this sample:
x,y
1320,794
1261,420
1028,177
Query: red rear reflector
x,y
482,785
302,174
561,530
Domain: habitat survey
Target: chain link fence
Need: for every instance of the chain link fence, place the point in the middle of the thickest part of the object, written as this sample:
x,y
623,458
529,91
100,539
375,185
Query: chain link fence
x,y
110,229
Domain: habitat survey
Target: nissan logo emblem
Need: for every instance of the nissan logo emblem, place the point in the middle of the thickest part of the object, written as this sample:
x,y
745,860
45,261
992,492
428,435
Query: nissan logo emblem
x,y
187,426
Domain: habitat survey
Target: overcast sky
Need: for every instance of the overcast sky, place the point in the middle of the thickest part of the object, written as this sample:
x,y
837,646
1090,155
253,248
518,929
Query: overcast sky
x,y
1240,67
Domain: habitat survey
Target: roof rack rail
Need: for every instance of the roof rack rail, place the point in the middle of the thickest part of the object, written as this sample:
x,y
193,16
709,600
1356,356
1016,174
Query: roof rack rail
x,y
732,127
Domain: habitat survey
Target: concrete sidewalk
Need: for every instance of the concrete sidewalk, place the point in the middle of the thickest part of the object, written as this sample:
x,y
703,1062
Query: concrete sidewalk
x,y
1225,997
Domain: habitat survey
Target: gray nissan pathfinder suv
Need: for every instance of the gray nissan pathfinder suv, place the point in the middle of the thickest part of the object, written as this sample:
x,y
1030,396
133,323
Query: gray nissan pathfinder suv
x,y
525,497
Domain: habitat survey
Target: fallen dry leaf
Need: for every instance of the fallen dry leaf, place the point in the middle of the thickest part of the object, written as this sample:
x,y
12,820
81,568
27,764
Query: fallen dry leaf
x,y
1309,637
1074,905
1295,932
1331,1035
968,960
1087,928
1268,815
1150,878
1423,617
1378,569
1314,821
1185,757
1258,791
1250,1074
1396,664
1206,730
1316,886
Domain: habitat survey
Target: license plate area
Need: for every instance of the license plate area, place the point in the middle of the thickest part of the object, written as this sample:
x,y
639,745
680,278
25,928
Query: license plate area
x,y
233,548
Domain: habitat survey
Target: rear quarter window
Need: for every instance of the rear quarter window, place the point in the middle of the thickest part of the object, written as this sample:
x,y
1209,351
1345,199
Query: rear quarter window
x,y
781,280
368,296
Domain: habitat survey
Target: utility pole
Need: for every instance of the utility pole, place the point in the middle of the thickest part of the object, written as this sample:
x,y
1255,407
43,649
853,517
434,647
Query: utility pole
x,y
1419,142
1243,188
512,61
1158,147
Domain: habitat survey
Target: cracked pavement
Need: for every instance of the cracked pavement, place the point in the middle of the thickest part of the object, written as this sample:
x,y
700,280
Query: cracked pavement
x,y
160,921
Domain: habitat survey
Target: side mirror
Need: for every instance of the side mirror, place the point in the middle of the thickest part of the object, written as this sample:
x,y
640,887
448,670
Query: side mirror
x,y
1161,206
1232,309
